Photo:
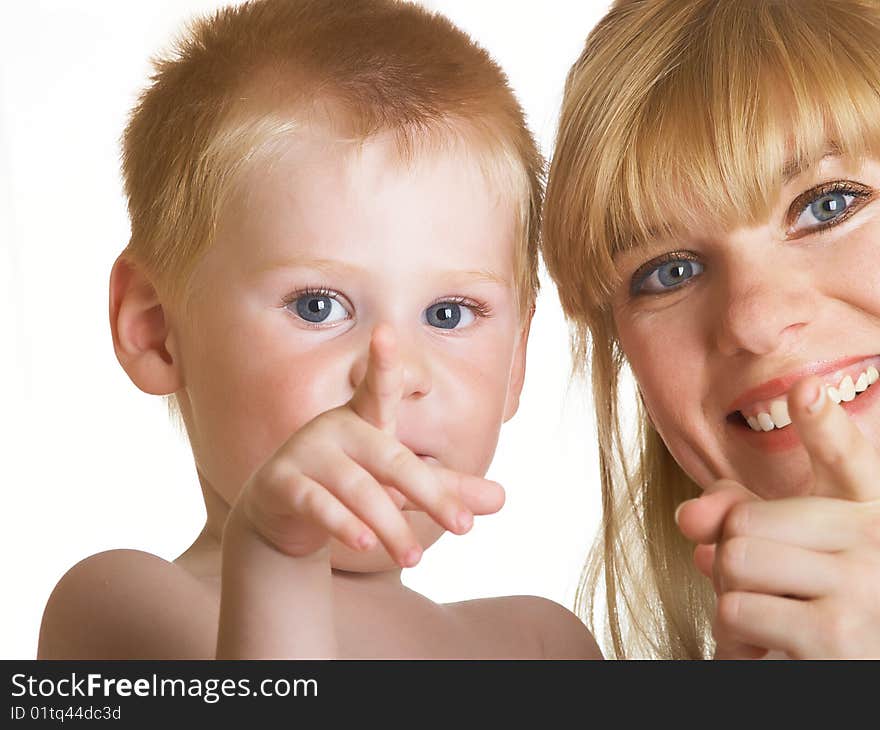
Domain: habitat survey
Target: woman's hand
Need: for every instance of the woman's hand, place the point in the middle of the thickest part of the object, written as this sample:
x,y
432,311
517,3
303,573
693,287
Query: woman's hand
x,y
800,575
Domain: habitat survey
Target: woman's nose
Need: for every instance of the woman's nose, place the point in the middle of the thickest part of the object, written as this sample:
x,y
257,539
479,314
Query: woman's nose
x,y
762,304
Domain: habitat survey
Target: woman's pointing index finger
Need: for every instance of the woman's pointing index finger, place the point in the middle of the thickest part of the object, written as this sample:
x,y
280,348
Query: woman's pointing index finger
x,y
845,464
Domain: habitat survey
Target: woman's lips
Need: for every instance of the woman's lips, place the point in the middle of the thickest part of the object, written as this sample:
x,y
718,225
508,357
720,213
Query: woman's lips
x,y
783,439
842,385
778,387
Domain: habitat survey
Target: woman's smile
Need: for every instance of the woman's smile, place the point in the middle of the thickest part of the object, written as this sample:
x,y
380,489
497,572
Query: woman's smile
x,y
740,316
764,421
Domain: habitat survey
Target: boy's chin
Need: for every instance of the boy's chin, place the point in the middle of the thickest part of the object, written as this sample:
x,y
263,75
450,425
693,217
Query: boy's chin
x,y
377,560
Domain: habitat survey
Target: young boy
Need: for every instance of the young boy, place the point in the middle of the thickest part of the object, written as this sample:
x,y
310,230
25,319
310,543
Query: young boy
x,y
332,271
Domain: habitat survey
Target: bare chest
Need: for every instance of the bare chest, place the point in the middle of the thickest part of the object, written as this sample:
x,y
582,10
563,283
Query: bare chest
x,y
409,626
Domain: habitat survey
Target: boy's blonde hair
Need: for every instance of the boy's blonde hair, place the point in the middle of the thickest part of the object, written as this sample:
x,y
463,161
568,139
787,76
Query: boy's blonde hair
x,y
678,113
252,74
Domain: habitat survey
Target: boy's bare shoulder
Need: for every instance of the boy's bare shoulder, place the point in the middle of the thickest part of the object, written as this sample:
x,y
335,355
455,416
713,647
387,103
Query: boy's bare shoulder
x,y
128,604
541,628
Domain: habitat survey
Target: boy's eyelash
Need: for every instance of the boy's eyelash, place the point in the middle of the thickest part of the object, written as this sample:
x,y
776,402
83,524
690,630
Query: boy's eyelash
x,y
309,291
479,308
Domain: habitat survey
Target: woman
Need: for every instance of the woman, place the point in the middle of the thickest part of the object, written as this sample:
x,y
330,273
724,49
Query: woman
x,y
712,222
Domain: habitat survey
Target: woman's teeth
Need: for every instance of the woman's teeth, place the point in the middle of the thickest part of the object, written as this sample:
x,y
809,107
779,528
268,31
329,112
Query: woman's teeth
x,y
845,391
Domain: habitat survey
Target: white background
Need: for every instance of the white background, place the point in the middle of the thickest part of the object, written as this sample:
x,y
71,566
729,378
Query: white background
x,y
90,463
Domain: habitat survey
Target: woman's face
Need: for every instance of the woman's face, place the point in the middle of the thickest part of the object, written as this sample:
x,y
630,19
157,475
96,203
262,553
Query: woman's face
x,y
717,327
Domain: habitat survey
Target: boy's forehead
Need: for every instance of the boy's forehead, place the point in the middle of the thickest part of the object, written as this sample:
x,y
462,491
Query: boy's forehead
x,y
313,197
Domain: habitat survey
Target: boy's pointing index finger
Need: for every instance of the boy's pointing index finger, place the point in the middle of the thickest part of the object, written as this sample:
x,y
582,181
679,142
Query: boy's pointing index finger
x,y
845,464
378,395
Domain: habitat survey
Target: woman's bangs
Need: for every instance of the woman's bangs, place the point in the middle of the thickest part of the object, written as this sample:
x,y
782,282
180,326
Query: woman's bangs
x,y
715,139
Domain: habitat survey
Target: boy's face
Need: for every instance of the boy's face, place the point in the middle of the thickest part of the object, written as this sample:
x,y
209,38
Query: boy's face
x,y
317,245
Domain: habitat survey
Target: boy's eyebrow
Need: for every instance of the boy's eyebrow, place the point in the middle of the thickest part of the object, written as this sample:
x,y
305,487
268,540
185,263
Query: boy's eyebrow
x,y
307,262
479,275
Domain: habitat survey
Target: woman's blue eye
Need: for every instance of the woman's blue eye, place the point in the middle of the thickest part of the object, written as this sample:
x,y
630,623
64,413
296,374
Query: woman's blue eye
x,y
448,315
667,276
823,209
320,309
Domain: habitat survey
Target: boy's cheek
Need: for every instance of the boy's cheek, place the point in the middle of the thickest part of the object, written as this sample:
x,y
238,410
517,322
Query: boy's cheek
x,y
242,420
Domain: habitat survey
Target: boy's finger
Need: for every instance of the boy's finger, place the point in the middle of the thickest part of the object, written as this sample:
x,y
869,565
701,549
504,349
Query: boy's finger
x,y
378,395
363,496
319,513
480,496
397,497
394,465
845,464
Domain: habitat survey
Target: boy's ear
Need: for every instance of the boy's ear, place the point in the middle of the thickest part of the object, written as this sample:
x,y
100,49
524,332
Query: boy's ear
x,y
141,336
518,369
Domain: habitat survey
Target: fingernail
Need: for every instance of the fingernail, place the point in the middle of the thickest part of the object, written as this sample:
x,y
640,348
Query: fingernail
x,y
412,557
678,509
366,541
818,399
464,520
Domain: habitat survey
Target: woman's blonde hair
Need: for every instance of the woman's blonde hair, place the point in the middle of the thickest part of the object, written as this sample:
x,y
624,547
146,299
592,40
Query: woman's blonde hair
x,y
251,75
680,112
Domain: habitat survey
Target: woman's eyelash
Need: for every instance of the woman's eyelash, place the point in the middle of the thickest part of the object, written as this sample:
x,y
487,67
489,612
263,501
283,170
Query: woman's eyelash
x,y
860,193
645,270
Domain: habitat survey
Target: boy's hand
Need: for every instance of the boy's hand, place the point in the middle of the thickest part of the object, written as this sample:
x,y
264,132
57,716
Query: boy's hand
x,y
345,475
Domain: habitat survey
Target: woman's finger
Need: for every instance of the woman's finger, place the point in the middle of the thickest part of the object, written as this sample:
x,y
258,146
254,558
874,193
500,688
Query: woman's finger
x,y
845,464
764,566
378,395
701,520
815,523
771,622
704,559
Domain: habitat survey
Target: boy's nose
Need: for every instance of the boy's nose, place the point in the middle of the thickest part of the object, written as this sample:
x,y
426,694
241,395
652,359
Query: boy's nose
x,y
417,379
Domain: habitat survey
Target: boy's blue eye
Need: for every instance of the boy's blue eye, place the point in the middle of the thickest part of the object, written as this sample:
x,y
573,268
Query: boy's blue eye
x,y
665,276
448,315
320,308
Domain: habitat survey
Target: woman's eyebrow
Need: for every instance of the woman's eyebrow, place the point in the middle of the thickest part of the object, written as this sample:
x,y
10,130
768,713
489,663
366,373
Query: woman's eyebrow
x,y
641,247
795,167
